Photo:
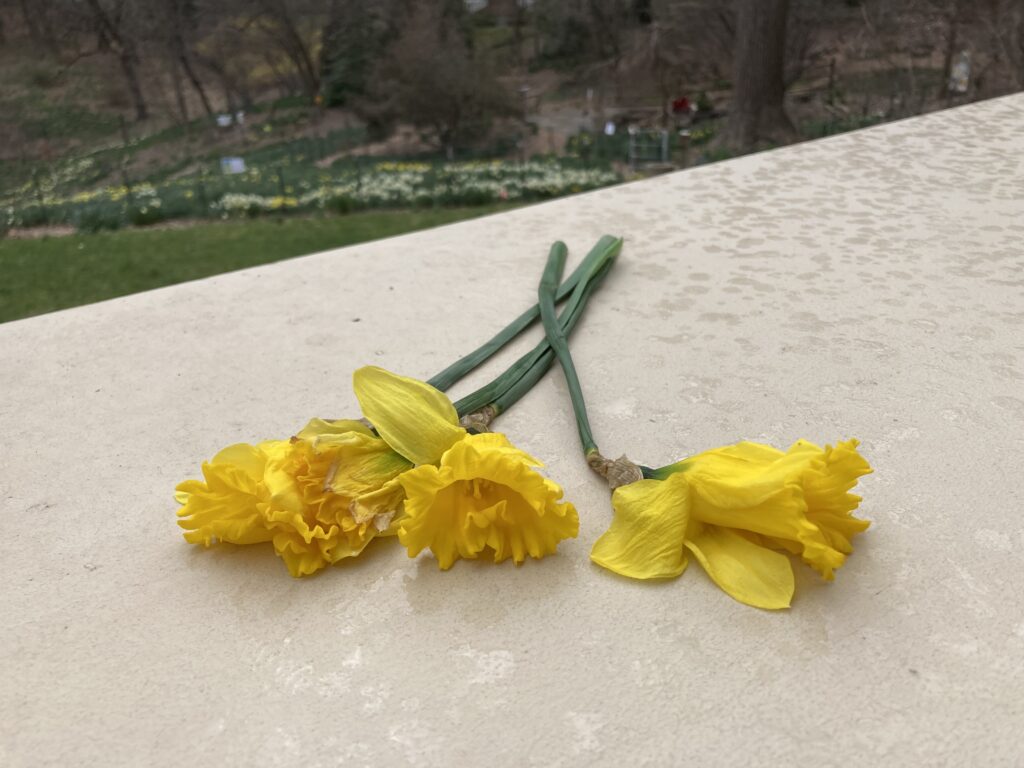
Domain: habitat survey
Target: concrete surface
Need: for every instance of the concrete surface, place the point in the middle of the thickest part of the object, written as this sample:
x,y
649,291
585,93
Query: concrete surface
x,y
870,285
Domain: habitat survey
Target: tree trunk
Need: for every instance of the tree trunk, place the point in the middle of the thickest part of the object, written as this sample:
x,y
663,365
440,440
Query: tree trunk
x,y
28,13
241,87
290,41
127,56
229,94
947,58
181,52
299,54
518,22
49,38
179,91
190,73
181,22
129,65
757,113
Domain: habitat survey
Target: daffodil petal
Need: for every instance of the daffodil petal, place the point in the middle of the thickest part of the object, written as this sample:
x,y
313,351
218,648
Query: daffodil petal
x,y
415,419
246,458
749,573
362,460
645,539
318,428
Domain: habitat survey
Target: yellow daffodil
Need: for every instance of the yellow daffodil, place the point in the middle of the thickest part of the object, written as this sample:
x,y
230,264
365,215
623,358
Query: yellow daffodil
x,y
469,492
732,508
485,494
326,493
319,497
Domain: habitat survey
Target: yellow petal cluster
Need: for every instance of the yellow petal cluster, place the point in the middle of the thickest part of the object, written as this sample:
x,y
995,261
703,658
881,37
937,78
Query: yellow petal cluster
x,y
484,495
319,497
326,493
732,508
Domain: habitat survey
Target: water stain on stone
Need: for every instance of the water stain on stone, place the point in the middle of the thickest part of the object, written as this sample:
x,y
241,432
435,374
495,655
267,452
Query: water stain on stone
x,y
721,317
755,284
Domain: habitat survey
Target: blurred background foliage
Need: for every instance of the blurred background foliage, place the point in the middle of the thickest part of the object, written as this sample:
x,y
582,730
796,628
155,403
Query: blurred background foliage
x,y
118,114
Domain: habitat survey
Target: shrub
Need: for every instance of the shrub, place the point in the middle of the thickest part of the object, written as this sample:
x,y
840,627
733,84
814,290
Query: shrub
x,y
98,218
144,215
35,216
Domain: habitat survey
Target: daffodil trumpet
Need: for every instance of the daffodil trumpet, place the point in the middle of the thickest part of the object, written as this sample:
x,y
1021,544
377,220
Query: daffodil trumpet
x,y
741,510
411,468
469,495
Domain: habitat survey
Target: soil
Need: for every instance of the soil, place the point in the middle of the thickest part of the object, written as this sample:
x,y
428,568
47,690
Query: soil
x,y
38,233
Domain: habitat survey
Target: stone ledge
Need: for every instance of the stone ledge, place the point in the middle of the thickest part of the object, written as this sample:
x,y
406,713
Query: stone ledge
x,y
867,285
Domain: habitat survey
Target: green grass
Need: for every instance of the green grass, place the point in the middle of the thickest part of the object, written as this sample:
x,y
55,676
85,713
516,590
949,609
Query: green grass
x,y
67,120
44,275
820,128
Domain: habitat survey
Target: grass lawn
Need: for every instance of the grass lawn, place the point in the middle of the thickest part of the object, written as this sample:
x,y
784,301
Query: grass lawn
x,y
39,276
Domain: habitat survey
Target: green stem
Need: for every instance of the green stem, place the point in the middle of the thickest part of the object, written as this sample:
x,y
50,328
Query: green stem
x,y
540,367
520,377
460,368
560,344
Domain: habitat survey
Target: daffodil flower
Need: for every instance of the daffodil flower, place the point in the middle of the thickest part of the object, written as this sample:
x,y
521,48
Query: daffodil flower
x,y
471,493
326,493
485,495
733,508
736,509
320,497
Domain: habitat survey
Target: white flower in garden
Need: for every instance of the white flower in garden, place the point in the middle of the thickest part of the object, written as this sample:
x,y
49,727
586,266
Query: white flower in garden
x,y
384,184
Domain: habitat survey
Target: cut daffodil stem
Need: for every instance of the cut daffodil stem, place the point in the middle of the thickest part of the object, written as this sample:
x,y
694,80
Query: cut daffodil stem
x,y
462,367
525,372
543,363
617,472
560,344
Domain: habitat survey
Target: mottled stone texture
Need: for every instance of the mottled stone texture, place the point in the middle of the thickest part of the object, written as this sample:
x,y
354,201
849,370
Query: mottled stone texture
x,y
868,285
